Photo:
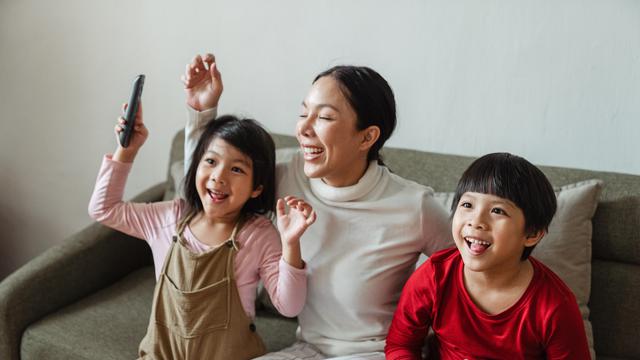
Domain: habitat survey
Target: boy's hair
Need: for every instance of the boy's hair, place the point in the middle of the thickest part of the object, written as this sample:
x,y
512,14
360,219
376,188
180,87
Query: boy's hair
x,y
516,179
248,136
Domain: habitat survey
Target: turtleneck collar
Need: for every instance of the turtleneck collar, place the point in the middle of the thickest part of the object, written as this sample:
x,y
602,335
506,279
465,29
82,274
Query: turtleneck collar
x,y
348,193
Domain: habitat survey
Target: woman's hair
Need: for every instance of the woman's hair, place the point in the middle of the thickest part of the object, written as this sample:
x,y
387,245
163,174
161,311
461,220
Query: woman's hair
x,y
516,179
248,136
371,98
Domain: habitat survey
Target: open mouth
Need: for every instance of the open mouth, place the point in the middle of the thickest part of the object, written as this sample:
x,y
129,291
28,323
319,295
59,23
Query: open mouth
x,y
476,246
217,196
312,152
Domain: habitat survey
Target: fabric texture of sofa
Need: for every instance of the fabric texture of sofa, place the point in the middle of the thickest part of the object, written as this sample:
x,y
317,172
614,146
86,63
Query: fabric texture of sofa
x,y
90,296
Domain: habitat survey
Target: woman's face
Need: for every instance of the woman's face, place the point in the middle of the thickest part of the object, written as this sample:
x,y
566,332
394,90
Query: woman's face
x,y
333,147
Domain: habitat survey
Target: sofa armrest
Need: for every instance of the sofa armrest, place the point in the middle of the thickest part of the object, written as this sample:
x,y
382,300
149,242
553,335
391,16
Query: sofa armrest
x,y
87,261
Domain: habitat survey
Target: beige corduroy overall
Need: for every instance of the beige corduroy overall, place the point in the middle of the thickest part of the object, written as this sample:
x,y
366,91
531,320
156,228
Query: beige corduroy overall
x,y
196,312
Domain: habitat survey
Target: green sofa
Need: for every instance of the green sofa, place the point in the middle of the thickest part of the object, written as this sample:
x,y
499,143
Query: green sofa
x,y
90,296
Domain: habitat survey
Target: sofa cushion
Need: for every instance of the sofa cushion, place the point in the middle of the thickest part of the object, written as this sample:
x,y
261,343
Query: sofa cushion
x,y
108,324
566,249
118,316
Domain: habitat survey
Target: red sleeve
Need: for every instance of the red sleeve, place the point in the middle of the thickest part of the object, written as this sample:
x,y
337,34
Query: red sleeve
x,y
565,337
413,316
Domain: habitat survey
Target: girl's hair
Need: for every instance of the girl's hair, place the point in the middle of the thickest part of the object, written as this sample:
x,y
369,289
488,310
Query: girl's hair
x,y
371,98
516,179
248,136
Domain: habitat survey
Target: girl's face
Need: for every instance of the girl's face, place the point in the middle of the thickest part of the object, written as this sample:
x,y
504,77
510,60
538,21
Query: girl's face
x,y
224,180
328,136
489,232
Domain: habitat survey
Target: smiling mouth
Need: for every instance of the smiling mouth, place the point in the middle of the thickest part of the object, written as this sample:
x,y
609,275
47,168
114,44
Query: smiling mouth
x,y
312,152
476,246
217,196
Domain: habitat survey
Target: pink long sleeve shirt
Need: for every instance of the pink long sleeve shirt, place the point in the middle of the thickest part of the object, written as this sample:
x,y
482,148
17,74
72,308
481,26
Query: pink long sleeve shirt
x,y
260,255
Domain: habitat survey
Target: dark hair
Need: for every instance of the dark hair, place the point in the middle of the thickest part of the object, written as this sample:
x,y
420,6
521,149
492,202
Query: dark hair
x,y
248,136
516,179
371,98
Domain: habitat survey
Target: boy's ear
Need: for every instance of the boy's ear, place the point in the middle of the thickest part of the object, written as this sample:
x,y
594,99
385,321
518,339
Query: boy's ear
x,y
369,137
255,193
533,238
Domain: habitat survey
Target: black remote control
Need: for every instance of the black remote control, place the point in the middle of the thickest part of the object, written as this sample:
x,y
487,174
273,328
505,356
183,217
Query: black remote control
x,y
132,110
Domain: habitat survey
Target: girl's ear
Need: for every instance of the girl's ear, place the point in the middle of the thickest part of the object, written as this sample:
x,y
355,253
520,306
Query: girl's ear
x,y
369,137
534,238
255,193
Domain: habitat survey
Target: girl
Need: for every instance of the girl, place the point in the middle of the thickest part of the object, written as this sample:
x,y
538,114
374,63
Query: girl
x,y
211,248
373,224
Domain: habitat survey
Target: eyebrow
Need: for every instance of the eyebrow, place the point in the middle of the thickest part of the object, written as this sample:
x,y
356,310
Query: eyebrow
x,y
493,202
238,160
322,106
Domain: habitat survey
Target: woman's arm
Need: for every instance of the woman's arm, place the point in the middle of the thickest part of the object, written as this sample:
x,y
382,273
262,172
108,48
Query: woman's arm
x,y
203,88
436,225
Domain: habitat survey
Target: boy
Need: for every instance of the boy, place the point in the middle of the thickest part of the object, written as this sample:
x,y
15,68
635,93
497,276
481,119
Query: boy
x,y
488,299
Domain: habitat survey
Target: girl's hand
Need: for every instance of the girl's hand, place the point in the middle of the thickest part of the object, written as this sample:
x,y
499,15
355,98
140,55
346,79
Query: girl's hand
x,y
138,136
292,225
202,83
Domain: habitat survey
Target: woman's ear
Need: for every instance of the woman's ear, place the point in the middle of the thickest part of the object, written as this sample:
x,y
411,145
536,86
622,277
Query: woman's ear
x,y
369,137
258,190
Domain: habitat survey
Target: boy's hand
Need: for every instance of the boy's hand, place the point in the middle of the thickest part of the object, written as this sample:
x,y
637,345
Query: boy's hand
x,y
292,225
138,136
202,83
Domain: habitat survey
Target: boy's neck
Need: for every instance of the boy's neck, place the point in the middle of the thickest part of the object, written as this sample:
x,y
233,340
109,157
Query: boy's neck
x,y
496,290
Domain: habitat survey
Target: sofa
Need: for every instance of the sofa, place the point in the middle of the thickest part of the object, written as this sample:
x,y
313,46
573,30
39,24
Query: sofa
x,y
89,297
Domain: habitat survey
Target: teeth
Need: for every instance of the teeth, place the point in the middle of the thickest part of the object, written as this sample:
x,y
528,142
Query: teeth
x,y
311,150
478,242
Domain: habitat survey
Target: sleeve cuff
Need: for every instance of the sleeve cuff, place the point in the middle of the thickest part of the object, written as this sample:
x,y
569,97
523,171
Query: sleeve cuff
x,y
284,266
107,160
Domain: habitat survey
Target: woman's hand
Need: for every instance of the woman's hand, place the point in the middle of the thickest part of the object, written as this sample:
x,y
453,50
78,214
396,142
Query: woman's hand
x,y
139,135
292,225
202,83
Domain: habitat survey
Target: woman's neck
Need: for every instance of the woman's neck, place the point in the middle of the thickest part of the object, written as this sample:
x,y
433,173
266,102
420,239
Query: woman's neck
x,y
349,176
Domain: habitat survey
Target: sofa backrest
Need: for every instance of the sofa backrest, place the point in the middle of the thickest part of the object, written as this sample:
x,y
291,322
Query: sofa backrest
x,y
615,279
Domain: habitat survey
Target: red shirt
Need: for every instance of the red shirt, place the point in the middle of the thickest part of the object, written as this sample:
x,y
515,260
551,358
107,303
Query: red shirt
x,y
544,323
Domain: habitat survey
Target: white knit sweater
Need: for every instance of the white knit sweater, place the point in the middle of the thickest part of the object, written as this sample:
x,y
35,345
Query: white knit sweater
x,y
360,251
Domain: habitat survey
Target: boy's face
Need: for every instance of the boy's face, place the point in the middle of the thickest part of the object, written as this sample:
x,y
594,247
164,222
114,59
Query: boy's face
x,y
489,232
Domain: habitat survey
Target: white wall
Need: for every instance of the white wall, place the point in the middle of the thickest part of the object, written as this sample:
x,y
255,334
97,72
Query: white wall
x,y
555,81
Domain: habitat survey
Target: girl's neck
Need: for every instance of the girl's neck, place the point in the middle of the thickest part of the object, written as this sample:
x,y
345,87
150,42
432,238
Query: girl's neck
x,y
212,231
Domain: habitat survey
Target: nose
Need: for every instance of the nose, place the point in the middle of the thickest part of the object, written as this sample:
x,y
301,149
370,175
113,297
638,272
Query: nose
x,y
476,221
217,176
305,125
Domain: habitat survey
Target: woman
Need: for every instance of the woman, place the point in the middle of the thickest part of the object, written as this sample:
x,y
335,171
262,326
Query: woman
x,y
371,224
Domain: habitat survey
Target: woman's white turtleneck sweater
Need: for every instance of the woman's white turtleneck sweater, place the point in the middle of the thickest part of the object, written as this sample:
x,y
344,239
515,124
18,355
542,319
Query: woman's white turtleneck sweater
x,y
360,251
